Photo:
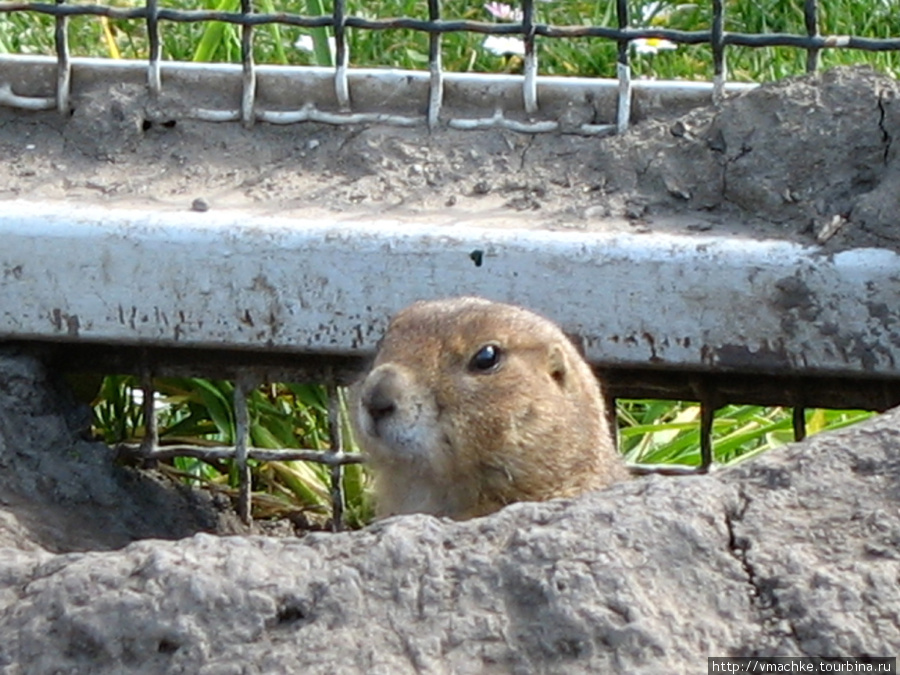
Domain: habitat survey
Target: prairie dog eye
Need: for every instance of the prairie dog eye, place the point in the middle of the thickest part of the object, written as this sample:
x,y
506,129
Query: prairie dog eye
x,y
487,358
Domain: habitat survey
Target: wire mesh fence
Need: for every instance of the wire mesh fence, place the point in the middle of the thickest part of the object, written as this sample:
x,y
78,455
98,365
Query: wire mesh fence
x,y
335,458
523,26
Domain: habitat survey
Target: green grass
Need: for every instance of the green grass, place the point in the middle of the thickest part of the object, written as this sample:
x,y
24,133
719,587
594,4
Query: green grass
x,y
668,432
201,412
197,411
89,36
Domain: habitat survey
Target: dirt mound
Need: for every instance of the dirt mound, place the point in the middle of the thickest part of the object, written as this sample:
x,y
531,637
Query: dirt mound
x,y
809,159
812,154
792,554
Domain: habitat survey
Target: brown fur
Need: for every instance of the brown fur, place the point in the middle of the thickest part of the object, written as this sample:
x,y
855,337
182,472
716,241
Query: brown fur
x,y
448,439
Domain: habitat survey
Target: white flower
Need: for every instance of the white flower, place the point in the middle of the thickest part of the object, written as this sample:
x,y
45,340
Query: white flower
x,y
159,402
502,45
652,45
305,44
503,12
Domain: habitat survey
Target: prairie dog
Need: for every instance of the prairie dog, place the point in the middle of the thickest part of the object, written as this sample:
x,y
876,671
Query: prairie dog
x,y
471,405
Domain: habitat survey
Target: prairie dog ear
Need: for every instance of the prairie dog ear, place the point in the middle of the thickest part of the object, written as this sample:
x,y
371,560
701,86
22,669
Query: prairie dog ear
x,y
558,365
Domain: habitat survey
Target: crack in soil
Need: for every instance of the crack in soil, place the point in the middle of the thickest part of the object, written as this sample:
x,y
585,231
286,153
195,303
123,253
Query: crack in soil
x,y
886,137
315,170
524,152
738,546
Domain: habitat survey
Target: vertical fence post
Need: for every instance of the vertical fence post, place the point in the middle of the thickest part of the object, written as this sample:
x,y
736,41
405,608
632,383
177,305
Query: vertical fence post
x,y
707,412
242,387
341,88
63,64
436,83
811,18
336,437
151,432
248,94
799,422
154,81
709,403
529,82
718,50
623,71
612,419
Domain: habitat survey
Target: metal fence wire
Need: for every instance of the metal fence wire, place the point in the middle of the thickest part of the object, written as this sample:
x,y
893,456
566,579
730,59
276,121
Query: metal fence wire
x,y
249,112
149,450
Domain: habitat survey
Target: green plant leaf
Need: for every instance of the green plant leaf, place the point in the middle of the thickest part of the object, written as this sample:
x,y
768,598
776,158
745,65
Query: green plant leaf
x,y
303,481
321,46
216,34
217,398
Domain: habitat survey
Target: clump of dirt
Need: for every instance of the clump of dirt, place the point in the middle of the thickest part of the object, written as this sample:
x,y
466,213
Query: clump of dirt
x,y
809,159
61,490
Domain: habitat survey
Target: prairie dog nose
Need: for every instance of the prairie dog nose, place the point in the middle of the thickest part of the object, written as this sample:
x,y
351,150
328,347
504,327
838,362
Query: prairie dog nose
x,y
381,392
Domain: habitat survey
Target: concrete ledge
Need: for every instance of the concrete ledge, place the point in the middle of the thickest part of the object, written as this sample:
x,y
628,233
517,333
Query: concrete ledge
x,y
215,89
229,281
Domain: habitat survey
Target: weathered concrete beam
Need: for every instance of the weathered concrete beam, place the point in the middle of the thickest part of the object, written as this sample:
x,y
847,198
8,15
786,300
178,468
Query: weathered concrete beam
x,y
230,281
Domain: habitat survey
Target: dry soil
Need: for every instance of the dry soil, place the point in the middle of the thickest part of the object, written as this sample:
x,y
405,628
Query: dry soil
x,y
809,159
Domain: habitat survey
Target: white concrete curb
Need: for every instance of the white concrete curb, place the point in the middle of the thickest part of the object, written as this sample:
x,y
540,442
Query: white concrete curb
x,y
232,281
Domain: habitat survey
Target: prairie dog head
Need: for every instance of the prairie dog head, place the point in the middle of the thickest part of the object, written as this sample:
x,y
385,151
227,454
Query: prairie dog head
x,y
472,404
